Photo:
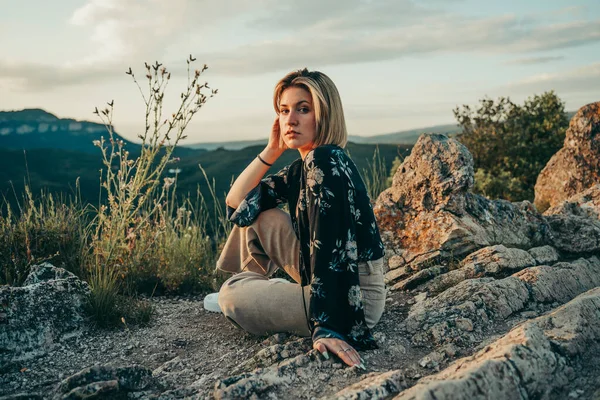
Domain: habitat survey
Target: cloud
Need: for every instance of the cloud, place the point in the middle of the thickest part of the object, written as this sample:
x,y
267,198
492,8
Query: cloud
x,y
33,76
584,79
126,29
433,34
275,35
534,60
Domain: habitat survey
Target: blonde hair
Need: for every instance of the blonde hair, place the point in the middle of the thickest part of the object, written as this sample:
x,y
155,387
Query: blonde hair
x,y
329,114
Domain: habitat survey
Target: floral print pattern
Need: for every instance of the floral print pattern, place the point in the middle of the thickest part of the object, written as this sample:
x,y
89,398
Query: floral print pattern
x,y
333,218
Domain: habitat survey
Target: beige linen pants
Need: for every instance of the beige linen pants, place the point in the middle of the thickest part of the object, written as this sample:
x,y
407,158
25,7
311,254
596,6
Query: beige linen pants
x,y
261,306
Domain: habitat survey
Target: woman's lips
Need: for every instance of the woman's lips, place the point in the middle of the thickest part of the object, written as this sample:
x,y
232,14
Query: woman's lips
x,y
291,133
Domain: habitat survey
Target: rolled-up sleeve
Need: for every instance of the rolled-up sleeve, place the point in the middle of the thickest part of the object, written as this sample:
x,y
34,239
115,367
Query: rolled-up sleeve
x,y
336,304
269,193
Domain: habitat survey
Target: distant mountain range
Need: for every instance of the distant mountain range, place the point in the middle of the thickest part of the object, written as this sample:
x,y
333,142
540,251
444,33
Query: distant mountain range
x,y
38,129
408,137
60,151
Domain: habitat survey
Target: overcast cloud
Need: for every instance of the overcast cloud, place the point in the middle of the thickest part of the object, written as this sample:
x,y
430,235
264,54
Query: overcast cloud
x,y
287,36
453,51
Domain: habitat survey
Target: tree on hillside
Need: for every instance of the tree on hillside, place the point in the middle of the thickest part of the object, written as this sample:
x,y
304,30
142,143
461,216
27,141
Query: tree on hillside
x,y
511,143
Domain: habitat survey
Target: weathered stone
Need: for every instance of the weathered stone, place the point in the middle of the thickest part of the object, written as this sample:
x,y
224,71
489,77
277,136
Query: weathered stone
x,y
575,222
95,390
574,234
562,281
419,277
544,255
431,360
498,259
274,353
430,214
584,204
576,166
483,301
131,378
261,380
22,396
397,273
379,386
40,314
46,272
489,261
528,362
464,324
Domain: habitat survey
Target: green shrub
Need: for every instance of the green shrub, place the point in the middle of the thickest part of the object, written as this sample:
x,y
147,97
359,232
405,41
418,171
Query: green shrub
x,y
40,230
511,143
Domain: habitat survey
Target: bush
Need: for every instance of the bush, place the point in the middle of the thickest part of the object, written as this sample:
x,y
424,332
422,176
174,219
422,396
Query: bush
x,y
140,238
511,143
40,230
375,175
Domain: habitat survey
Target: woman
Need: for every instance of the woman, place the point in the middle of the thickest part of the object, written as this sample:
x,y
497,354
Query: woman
x,y
329,243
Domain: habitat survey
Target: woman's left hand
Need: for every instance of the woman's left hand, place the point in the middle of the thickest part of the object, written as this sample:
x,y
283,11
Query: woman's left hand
x,y
341,349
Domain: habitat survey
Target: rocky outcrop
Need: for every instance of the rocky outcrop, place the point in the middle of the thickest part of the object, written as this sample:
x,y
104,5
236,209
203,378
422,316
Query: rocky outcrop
x,y
430,221
430,214
465,313
534,360
50,307
494,261
576,166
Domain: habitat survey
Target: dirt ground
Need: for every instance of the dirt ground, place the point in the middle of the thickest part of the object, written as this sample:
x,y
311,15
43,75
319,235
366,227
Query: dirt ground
x,y
190,351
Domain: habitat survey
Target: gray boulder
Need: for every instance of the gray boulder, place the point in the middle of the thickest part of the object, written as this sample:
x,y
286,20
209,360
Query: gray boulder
x,y
576,166
430,214
50,307
532,361
104,381
575,222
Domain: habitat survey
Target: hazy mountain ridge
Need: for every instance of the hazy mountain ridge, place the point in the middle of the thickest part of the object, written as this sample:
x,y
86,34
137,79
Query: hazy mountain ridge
x,y
408,137
18,127
58,170
37,129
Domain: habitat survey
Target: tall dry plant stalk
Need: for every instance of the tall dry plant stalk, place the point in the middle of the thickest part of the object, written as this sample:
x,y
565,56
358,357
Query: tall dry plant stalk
x,y
132,219
375,175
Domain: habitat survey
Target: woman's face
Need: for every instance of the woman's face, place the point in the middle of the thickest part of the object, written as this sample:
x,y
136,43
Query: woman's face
x,y
297,119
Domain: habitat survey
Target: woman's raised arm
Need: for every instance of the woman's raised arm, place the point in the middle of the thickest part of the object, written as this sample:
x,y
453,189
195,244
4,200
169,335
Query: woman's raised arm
x,y
254,172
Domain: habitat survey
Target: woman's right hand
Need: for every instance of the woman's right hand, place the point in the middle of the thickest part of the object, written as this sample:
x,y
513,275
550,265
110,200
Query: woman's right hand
x,y
251,176
276,143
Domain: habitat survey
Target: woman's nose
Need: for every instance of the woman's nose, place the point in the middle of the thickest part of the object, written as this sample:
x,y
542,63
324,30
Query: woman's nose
x,y
292,119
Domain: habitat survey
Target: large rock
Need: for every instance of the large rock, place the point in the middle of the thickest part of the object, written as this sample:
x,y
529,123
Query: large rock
x,y
575,222
429,212
464,314
534,360
103,381
48,308
576,166
494,261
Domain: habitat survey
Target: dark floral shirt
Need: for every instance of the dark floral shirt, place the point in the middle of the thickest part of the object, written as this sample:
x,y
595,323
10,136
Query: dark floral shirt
x,y
333,219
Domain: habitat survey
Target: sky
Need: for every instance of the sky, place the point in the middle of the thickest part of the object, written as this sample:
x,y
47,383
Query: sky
x,y
398,64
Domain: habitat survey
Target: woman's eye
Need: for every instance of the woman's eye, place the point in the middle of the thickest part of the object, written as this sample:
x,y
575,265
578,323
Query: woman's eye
x,y
284,111
304,110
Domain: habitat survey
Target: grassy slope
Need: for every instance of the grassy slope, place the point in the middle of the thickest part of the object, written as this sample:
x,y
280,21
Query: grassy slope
x,y
57,170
